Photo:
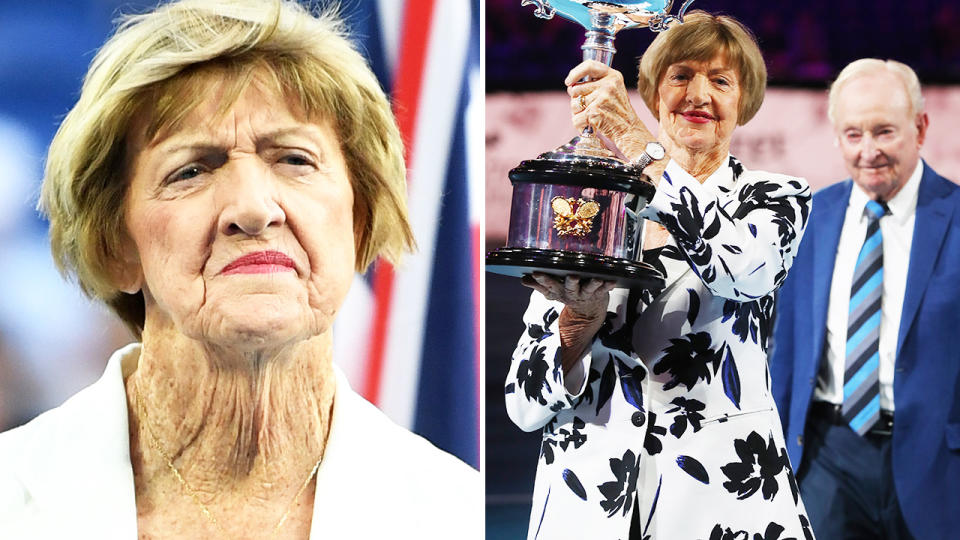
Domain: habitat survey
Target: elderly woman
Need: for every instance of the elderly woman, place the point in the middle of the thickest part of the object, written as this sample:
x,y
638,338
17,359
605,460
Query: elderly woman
x,y
228,167
656,410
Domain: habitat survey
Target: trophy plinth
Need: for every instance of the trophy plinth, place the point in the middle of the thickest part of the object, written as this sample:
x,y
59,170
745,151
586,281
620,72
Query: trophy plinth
x,y
574,210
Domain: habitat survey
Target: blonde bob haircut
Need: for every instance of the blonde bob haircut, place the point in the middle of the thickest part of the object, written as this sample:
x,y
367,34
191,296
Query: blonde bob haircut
x,y
160,65
701,38
868,66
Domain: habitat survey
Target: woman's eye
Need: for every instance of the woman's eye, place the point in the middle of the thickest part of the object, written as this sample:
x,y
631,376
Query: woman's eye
x,y
186,173
721,81
295,159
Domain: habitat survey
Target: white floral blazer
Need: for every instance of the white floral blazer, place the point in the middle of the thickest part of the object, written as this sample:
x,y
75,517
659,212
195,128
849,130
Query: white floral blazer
x,y
667,424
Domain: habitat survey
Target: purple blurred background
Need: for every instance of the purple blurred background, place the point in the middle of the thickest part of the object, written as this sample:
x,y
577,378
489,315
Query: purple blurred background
x,y
804,43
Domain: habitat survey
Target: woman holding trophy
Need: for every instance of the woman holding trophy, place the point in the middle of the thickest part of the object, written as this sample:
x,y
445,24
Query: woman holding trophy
x,y
657,416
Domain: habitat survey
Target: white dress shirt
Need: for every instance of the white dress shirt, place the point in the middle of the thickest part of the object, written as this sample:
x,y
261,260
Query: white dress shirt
x,y
897,230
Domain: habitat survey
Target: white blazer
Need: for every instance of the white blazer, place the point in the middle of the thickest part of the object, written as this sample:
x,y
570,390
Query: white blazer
x,y
67,473
667,422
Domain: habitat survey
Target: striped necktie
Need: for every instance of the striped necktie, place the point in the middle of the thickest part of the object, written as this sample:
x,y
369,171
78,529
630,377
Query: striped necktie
x,y
861,385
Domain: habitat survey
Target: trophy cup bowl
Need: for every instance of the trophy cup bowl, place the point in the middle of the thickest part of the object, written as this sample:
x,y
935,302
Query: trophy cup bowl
x,y
575,217
574,210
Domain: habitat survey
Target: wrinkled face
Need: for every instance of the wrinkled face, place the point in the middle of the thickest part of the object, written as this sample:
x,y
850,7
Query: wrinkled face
x,y
877,132
241,227
698,104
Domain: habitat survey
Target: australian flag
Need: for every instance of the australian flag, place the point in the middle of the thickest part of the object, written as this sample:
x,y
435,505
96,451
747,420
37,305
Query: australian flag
x,y
409,337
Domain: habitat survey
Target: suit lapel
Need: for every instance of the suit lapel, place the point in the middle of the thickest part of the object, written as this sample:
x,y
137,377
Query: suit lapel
x,y
932,216
826,222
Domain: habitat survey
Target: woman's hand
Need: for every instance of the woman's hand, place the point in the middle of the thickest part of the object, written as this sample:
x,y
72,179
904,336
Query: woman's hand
x,y
585,309
603,104
588,300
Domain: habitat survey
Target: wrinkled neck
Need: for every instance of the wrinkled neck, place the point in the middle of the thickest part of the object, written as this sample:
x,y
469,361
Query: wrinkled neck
x,y
699,163
229,419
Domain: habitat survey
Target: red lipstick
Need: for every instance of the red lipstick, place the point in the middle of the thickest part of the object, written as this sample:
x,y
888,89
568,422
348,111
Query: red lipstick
x,y
260,262
697,117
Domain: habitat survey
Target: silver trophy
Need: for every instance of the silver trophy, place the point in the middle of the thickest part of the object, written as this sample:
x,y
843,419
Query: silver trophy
x,y
574,209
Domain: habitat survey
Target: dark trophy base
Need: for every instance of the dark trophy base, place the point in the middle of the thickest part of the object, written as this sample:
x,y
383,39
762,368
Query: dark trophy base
x,y
518,262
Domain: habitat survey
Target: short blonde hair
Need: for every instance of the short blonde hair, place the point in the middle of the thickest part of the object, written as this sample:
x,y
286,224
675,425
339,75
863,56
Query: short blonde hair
x,y
156,64
866,66
703,37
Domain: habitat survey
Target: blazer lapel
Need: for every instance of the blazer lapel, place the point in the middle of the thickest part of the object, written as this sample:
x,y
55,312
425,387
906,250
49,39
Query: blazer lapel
x,y
723,180
932,217
826,222
77,464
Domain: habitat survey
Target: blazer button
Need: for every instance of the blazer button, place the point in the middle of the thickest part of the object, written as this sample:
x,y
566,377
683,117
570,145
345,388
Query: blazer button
x,y
813,381
800,440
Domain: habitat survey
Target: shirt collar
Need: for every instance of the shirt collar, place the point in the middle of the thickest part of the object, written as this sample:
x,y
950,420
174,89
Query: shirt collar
x,y
721,178
902,205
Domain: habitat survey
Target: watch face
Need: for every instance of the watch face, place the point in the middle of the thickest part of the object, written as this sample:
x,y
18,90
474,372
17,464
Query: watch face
x,y
655,150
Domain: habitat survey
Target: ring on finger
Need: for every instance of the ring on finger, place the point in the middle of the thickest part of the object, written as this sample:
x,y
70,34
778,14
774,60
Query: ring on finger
x,y
582,102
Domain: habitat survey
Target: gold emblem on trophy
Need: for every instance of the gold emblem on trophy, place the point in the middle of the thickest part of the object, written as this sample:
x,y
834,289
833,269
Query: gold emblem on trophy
x,y
573,217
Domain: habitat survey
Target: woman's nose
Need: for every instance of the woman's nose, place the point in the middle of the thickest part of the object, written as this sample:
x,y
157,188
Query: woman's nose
x,y
250,202
697,91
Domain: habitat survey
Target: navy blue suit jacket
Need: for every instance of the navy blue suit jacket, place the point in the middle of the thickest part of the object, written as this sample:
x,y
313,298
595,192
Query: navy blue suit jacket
x,y
926,387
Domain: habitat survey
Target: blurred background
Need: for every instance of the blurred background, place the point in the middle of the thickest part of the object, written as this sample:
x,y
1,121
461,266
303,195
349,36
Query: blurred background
x,y
408,337
805,44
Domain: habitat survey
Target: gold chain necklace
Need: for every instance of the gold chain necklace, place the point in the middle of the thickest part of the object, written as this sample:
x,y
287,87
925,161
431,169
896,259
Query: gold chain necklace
x,y
193,494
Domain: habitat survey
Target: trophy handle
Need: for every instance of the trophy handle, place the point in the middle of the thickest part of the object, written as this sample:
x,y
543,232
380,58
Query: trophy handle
x,y
544,9
663,21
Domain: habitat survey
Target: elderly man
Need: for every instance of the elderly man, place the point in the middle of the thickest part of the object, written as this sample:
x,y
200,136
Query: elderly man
x,y
863,370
